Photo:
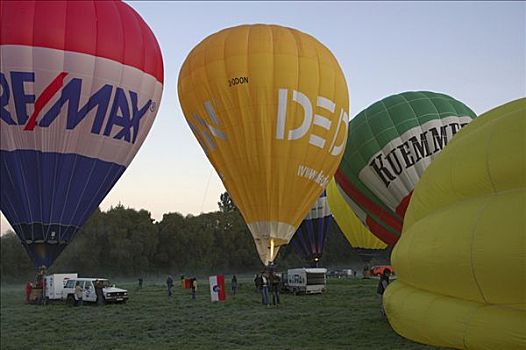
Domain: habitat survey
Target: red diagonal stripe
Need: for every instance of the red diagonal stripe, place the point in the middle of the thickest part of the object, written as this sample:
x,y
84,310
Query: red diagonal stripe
x,y
381,232
44,98
366,203
404,203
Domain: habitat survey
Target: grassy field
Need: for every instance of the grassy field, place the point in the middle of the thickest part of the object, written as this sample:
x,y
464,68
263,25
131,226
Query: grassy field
x,y
346,317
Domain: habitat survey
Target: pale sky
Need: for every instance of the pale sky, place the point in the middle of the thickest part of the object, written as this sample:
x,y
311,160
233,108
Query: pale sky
x,y
472,51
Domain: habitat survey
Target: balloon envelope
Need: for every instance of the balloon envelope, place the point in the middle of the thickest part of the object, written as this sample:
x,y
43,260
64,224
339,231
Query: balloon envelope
x,y
80,85
461,260
361,239
309,240
390,145
269,106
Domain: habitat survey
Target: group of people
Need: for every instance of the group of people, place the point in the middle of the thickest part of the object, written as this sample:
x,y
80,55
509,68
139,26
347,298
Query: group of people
x,y
268,284
170,285
193,285
268,280
30,296
79,293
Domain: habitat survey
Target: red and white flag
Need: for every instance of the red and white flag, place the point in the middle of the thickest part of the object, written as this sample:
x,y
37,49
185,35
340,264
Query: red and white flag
x,y
217,287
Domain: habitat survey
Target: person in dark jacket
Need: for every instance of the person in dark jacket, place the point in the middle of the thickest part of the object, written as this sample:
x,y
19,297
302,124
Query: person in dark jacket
x,y
170,284
382,286
274,287
234,285
99,293
258,281
264,288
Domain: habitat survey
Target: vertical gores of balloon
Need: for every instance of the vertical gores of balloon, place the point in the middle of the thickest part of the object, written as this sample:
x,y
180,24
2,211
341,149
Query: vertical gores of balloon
x,y
81,83
390,145
309,240
269,106
363,241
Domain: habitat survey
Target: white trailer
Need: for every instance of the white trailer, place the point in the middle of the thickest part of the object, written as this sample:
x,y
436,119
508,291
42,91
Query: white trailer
x,y
307,280
54,284
347,273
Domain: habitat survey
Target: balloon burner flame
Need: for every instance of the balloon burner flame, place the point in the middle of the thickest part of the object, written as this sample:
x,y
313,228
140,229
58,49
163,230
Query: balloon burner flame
x,y
272,249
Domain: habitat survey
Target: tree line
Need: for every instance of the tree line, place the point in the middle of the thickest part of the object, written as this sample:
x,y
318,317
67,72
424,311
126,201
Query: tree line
x,y
125,242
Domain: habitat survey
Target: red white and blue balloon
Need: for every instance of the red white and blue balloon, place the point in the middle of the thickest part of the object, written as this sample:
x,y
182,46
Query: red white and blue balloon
x,y
80,85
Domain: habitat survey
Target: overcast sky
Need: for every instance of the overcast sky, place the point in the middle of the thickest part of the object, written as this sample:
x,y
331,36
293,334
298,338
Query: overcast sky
x,y
473,51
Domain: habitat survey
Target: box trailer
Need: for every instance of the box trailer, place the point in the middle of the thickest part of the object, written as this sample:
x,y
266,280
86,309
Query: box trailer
x,y
54,284
306,280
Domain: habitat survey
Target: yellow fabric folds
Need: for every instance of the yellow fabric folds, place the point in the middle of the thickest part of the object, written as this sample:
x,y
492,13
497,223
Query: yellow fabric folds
x,y
461,259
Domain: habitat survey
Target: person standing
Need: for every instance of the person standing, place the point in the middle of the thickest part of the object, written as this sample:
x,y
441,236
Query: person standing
x,y
365,271
78,294
170,284
264,289
99,286
29,289
382,286
258,281
194,287
274,287
234,285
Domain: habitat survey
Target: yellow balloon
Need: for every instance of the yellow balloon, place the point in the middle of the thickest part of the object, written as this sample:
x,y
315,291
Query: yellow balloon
x,y
461,259
356,233
269,106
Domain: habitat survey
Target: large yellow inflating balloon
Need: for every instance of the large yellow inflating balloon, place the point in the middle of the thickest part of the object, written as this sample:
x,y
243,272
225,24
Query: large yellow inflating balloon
x,y
461,259
356,233
269,106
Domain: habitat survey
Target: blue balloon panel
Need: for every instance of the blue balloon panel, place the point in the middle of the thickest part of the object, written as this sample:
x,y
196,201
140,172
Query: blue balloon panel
x,y
47,197
309,240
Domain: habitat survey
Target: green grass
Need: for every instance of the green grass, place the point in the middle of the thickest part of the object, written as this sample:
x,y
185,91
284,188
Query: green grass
x,y
346,317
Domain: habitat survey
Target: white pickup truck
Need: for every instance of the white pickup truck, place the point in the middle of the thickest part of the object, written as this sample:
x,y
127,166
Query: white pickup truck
x,y
111,293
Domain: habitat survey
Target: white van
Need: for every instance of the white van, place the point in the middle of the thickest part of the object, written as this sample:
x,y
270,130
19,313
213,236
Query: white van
x,y
111,293
306,280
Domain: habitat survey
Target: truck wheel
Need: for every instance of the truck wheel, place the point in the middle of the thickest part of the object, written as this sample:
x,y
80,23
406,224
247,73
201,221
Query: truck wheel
x,y
70,300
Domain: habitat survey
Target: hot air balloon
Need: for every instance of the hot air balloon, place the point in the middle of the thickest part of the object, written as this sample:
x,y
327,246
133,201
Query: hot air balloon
x,y
309,240
361,239
81,82
390,145
461,260
269,106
